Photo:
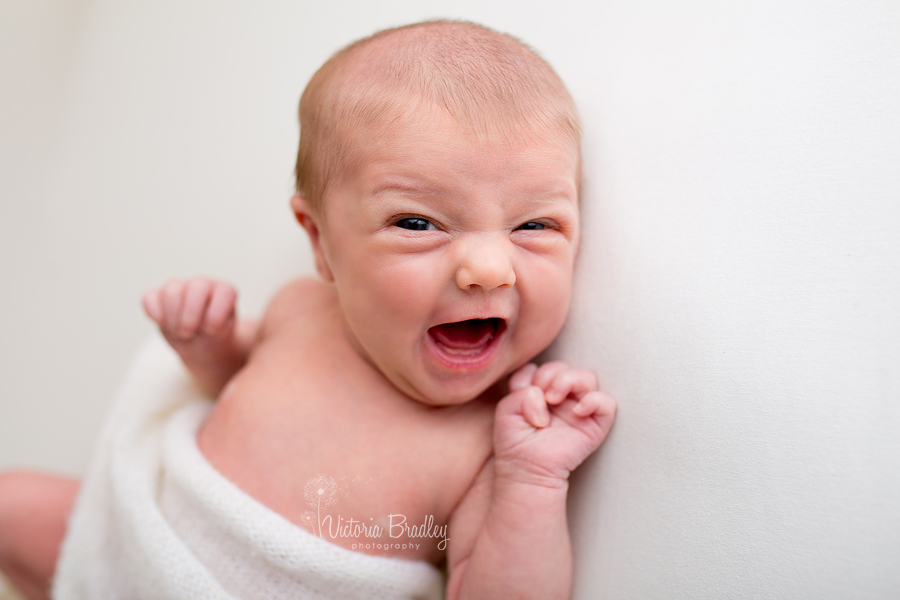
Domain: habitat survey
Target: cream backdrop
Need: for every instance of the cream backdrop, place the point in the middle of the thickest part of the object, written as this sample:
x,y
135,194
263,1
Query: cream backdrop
x,y
738,288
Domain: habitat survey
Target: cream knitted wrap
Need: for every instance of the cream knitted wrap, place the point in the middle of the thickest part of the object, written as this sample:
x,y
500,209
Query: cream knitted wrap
x,y
155,521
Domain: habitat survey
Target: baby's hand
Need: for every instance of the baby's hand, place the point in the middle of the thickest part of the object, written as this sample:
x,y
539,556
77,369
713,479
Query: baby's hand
x,y
195,311
197,318
553,418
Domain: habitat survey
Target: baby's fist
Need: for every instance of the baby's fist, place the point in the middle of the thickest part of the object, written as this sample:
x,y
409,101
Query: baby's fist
x,y
559,382
187,310
552,419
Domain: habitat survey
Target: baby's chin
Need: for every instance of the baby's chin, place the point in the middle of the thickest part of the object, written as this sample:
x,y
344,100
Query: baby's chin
x,y
461,360
430,396
466,360
440,390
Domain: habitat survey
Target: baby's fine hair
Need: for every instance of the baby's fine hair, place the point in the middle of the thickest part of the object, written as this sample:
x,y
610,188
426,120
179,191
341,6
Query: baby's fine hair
x,y
489,82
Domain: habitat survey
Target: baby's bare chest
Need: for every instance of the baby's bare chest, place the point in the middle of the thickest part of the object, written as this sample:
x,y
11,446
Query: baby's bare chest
x,y
333,449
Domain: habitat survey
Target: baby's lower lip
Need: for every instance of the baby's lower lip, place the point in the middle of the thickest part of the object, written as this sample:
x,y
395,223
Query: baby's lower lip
x,y
466,345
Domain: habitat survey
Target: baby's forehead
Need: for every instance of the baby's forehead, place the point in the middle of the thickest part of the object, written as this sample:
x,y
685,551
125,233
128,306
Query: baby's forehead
x,y
492,87
423,144
402,115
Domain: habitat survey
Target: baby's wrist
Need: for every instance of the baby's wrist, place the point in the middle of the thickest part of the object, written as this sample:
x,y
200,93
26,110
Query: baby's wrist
x,y
515,499
517,475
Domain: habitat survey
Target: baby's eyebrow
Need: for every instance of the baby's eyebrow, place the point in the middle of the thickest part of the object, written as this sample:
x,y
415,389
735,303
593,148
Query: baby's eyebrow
x,y
415,188
550,194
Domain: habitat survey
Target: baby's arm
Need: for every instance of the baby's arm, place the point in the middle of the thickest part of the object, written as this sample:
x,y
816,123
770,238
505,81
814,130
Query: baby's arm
x,y
197,318
509,537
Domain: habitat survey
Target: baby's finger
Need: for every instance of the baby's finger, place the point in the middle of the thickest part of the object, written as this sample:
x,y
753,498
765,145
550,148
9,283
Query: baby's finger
x,y
574,382
172,301
595,404
221,308
522,378
196,299
527,402
534,409
152,302
546,372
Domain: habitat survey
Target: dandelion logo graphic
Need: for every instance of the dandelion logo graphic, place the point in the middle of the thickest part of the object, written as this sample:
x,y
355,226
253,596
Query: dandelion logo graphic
x,y
320,492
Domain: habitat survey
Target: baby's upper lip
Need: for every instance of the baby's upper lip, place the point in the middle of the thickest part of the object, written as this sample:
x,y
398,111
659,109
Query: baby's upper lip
x,y
487,313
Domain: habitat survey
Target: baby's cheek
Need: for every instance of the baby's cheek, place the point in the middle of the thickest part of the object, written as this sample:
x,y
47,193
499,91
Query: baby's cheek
x,y
405,286
546,311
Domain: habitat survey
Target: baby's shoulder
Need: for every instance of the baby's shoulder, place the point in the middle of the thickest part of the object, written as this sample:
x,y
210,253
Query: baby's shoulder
x,y
300,299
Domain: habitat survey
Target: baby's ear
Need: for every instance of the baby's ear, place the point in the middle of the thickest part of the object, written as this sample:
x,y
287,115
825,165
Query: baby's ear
x,y
309,221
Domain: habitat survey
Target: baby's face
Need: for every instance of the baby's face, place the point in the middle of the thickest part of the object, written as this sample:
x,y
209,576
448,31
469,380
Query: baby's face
x,y
452,255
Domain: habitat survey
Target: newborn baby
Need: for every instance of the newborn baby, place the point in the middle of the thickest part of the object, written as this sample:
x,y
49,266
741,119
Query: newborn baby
x,y
438,181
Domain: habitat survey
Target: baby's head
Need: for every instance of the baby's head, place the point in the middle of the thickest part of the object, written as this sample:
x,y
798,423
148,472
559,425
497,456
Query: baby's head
x,y
438,178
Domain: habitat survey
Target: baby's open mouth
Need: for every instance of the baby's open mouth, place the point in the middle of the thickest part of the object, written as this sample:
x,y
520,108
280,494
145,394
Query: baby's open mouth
x,y
467,338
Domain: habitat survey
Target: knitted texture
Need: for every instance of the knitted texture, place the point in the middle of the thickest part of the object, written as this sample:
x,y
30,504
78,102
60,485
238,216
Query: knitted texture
x,y
154,520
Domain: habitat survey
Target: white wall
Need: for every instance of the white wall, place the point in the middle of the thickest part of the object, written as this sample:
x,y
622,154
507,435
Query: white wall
x,y
741,296
738,288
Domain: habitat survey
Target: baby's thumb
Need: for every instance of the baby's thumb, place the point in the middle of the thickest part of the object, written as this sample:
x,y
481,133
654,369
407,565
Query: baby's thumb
x,y
528,403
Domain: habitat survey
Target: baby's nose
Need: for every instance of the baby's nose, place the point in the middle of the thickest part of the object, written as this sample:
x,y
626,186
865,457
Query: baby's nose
x,y
486,264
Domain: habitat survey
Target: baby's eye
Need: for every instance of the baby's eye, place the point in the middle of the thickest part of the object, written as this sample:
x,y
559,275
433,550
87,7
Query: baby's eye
x,y
415,224
531,226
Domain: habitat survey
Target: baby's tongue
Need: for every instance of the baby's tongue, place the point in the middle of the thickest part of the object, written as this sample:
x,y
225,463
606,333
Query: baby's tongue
x,y
465,337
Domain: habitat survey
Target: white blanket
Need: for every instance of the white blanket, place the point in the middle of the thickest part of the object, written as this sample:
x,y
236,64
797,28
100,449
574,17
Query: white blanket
x,y
155,521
